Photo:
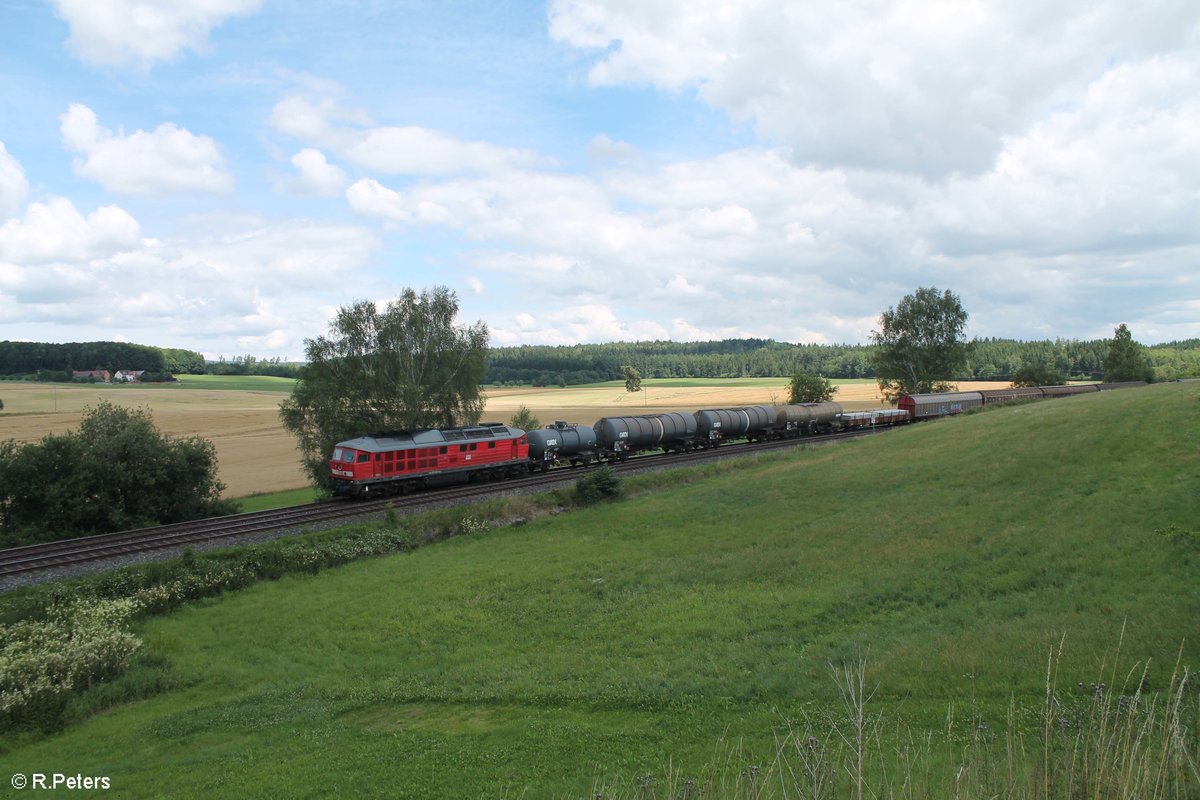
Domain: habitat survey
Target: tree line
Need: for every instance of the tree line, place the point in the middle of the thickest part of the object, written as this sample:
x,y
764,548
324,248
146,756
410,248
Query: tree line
x,y
986,359
547,365
54,362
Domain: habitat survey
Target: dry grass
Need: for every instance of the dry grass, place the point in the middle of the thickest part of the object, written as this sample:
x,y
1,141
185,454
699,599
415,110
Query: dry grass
x,y
256,455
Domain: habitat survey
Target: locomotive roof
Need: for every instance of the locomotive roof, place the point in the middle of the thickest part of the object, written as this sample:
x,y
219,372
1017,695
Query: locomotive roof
x,y
399,440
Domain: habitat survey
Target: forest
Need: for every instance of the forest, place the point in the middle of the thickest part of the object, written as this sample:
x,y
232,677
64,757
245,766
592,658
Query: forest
x,y
571,365
991,359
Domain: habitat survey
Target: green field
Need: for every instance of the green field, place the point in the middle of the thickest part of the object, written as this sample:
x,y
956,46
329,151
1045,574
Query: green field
x,y
240,383
685,633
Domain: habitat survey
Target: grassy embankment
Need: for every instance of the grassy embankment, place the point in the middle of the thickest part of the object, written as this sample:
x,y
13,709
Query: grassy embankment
x,y
689,631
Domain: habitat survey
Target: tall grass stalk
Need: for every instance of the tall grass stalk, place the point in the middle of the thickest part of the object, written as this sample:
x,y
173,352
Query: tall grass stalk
x,y
1125,744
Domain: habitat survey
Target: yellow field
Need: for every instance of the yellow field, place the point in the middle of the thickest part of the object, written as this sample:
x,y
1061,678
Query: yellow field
x,y
255,454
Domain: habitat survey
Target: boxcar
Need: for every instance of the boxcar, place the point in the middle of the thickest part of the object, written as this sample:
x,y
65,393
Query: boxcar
x,y
1011,395
923,406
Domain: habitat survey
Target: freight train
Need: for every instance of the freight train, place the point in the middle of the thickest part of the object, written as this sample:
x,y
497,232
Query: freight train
x,y
399,462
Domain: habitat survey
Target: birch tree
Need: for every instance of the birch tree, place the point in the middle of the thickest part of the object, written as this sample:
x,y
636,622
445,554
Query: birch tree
x,y
919,347
407,366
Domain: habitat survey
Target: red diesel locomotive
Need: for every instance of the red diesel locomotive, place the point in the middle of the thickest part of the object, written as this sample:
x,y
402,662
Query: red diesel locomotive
x,y
399,462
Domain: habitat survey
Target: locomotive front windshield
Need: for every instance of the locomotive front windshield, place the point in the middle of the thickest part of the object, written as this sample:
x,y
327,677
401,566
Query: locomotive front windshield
x,y
346,455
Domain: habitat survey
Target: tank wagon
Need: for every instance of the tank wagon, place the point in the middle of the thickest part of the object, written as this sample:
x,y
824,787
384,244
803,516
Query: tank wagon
x,y
716,425
620,437
804,418
561,443
398,462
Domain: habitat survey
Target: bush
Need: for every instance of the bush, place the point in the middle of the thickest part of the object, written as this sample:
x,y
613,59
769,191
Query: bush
x,y
115,473
603,484
43,663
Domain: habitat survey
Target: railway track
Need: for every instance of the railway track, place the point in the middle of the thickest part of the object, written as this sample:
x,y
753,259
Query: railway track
x,y
50,556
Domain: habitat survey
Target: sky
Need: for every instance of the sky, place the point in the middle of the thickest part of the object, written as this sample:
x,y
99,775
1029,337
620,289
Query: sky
x,y
222,175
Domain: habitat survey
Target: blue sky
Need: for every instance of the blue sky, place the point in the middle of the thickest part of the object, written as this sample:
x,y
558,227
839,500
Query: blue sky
x,y
221,175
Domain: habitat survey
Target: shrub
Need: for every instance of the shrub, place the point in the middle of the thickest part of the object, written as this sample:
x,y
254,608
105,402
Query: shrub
x,y
44,662
602,484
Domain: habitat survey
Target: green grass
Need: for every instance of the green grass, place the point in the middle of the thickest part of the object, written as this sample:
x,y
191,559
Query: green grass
x,y
237,383
272,500
707,613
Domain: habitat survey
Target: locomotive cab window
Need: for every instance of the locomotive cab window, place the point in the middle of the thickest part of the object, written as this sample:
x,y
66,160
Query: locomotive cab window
x,y
491,445
364,458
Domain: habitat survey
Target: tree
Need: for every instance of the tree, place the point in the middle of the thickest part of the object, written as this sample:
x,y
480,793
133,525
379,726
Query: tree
x,y
808,388
406,367
1126,360
920,346
1038,375
524,419
115,473
633,379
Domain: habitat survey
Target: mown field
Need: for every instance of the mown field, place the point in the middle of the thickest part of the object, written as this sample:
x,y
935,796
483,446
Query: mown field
x,y
256,455
698,631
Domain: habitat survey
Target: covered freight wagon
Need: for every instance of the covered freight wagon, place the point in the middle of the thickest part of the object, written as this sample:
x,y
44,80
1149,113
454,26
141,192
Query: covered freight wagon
x,y
942,404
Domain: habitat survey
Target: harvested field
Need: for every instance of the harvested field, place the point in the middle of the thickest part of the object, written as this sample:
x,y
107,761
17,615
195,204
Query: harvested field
x,y
256,455
254,452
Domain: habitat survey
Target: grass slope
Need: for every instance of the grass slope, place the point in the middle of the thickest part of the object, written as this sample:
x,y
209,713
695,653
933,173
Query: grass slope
x,y
638,638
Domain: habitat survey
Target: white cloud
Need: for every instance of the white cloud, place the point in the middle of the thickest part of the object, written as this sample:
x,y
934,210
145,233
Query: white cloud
x,y
393,150
925,87
141,32
587,323
169,158
316,175
372,199
55,231
323,121
265,284
13,186
603,149
419,151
